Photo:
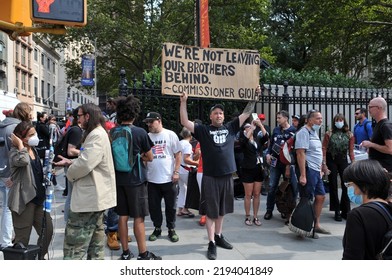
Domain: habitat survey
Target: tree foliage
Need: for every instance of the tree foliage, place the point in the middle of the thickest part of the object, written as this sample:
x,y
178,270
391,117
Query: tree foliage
x,y
343,37
130,33
339,36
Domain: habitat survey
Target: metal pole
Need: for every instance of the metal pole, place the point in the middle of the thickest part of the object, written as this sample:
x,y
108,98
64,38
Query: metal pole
x,y
95,71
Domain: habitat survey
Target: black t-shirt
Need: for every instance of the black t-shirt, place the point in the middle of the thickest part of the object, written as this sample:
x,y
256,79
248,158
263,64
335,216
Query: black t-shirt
x,y
39,180
381,132
217,147
141,144
74,134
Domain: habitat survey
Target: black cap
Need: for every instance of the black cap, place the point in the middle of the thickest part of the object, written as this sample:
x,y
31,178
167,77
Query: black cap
x,y
219,106
152,116
295,117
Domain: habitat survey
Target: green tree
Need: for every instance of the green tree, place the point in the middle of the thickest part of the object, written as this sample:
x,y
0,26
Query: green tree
x,y
338,36
130,33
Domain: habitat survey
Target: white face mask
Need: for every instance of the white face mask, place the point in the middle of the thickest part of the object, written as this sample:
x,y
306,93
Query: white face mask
x,y
33,141
339,125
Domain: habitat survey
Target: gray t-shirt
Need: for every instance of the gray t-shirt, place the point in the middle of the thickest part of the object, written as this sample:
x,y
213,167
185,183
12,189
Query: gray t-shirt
x,y
310,141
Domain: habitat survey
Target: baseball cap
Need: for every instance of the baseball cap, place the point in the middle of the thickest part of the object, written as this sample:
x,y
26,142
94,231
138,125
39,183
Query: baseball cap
x,y
152,116
261,116
295,117
217,106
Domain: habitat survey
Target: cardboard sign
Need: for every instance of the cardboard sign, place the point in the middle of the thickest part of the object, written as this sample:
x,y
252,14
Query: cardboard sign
x,y
209,72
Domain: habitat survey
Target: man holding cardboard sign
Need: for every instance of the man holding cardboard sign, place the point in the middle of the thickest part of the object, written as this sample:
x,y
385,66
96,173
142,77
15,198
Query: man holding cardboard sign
x,y
217,187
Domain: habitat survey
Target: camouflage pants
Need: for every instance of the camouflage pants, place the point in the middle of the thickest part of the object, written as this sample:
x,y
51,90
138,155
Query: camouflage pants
x,y
84,234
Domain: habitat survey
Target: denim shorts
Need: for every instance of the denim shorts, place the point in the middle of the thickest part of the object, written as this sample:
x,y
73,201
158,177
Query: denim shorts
x,y
314,183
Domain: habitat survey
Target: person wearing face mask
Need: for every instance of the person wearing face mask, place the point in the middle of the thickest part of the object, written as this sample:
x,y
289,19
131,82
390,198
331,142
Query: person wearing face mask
x,y
310,165
27,195
337,144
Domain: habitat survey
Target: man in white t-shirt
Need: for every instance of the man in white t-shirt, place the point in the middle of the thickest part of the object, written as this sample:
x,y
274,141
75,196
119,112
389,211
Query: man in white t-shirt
x,y
162,175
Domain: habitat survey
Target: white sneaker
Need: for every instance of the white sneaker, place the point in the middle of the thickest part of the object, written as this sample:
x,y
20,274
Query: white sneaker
x,y
59,187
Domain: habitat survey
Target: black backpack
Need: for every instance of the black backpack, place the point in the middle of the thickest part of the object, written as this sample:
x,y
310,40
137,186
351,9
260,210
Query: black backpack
x,y
386,252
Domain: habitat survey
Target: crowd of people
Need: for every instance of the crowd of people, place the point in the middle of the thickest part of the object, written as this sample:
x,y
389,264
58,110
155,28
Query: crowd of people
x,y
101,196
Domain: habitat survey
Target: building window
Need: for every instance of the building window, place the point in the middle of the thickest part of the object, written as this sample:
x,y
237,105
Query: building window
x,y
35,86
42,59
54,94
48,64
43,90
54,67
23,58
17,52
17,79
48,91
2,51
29,59
35,54
29,84
23,81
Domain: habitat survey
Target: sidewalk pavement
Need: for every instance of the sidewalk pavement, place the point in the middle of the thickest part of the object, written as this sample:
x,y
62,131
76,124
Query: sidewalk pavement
x,y
271,241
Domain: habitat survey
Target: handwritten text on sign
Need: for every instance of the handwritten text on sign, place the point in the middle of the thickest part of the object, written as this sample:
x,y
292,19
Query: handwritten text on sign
x,y
210,73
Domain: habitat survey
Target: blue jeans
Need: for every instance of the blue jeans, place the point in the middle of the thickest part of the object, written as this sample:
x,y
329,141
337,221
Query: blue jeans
x,y
294,180
67,205
275,174
111,221
6,218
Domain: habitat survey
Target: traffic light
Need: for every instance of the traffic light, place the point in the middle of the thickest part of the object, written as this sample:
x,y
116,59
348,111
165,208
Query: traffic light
x,y
64,12
13,11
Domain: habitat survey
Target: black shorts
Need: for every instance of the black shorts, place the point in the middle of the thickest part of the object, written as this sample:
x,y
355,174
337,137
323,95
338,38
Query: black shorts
x,y
132,201
251,175
217,196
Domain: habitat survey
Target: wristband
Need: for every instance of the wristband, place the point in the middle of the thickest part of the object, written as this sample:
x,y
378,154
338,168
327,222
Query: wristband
x,y
176,172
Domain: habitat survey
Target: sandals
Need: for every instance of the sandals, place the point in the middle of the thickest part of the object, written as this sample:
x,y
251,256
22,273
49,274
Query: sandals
x,y
257,222
248,222
189,214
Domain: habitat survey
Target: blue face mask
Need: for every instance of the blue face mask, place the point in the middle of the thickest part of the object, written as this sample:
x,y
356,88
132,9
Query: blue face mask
x,y
316,127
339,125
354,198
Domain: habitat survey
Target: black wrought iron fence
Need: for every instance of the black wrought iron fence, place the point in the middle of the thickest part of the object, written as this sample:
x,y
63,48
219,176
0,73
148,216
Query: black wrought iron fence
x,y
296,100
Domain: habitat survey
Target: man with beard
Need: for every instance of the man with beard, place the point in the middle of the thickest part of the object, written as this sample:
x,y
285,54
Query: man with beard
x,y
363,129
94,188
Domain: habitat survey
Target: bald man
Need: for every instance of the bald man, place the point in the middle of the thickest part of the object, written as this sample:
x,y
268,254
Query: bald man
x,y
380,146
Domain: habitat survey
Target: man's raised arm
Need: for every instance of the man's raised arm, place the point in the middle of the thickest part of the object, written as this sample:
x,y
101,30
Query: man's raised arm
x,y
184,114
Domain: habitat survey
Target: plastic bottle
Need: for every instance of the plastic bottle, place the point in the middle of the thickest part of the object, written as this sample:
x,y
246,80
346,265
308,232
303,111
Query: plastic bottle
x,y
48,198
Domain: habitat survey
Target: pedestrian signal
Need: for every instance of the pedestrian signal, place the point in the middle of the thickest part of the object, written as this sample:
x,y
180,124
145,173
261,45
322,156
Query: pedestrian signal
x,y
69,13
